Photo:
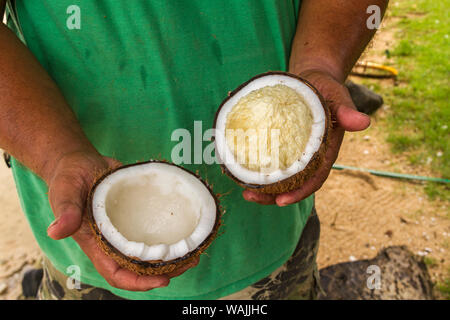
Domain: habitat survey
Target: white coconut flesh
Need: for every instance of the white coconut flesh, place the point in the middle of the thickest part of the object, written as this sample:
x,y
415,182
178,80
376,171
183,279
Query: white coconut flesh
x,y
270,129
154,211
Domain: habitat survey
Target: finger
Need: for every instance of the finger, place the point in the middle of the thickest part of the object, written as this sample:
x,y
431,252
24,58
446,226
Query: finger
x,y
66,196
260,198
67,223
128,280
318,179
115,275
350,119
345,111
311,186
341,105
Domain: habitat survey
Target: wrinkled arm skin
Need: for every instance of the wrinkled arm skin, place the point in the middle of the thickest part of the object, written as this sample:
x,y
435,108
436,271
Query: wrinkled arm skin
x,y
330,37
40,130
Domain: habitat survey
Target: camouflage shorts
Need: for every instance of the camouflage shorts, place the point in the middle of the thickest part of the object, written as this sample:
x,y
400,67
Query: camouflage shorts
x,y
297,279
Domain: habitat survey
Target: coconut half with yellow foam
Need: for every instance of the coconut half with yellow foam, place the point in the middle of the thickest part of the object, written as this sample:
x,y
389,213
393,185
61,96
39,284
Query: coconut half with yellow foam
x,y
271,133
153,217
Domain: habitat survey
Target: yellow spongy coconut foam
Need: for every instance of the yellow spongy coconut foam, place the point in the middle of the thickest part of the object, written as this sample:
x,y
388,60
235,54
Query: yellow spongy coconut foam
x,y
269,113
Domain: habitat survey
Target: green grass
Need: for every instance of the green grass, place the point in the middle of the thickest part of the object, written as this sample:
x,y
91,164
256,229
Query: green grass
x,y
444,287
418,120
430,262
403,49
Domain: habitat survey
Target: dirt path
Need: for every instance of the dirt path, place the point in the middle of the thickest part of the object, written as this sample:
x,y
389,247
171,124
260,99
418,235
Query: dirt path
x,y
361,213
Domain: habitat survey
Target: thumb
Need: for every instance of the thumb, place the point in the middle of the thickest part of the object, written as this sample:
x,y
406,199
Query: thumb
x,y
351,120
67,195
340,101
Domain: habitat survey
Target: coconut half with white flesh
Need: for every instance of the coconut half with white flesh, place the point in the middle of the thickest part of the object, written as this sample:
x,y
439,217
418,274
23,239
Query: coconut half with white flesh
x,y
271,133
153,217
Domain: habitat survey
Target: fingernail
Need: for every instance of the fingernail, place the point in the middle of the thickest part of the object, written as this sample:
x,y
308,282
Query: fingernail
x,y
248,196
54,223
282,203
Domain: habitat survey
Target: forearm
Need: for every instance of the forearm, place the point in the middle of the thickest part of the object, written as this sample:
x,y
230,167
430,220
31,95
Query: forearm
x,y
36,124
331,35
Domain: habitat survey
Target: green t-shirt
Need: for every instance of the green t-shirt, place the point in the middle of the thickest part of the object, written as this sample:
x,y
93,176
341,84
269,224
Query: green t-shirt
x,y
135,71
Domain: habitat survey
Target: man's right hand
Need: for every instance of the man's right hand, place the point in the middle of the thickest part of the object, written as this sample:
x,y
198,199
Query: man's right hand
x,y
69,185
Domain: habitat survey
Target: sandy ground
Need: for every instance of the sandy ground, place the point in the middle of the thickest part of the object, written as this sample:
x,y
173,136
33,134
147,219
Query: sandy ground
x,y
18,249
360,213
